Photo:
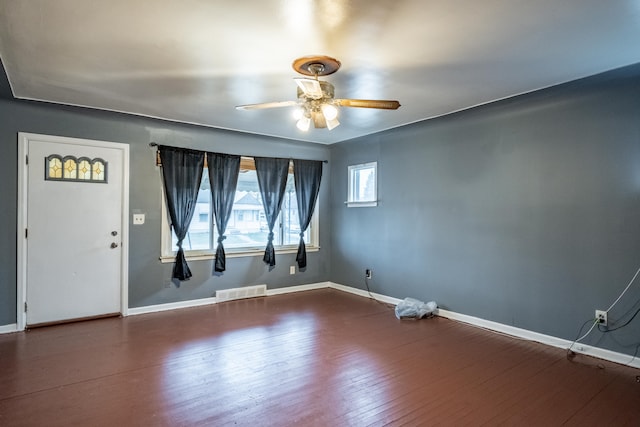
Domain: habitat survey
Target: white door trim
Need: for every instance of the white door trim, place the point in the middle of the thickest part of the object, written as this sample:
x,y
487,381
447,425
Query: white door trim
x,y
23,147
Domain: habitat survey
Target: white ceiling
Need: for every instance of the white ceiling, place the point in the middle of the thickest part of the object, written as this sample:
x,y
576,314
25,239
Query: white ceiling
x,y
194,60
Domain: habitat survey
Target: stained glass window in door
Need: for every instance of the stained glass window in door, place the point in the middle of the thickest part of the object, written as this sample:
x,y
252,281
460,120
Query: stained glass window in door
x,y
70,168
84,169
99,170
53,167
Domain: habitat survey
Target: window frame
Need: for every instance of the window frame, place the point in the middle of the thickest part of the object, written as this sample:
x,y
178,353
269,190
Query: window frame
x,y
167,254
352,171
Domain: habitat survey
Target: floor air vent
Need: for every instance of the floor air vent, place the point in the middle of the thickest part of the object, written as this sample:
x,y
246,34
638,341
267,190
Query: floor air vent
x,y
240,293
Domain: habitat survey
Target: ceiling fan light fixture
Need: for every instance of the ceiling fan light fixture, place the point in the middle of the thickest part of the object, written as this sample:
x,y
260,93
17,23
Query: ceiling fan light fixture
x,y
303,123
298,113
329,111
332,123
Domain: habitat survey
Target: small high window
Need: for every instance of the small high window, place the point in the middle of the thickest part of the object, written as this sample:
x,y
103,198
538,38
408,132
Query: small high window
x,y
363,186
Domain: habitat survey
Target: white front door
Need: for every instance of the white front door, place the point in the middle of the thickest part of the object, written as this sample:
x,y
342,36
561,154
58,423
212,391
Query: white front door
x,y
74,228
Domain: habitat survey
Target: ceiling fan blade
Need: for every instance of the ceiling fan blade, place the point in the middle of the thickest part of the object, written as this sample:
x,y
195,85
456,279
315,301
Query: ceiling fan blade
x,y
264,105
310,87
368,103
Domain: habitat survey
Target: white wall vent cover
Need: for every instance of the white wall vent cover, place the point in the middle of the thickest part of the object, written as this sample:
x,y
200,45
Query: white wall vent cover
x,y
240,293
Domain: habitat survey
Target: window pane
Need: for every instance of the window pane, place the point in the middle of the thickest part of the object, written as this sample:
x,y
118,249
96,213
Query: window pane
x,y
362,184
247,226
84,169
70,168
55,167
99,169
289,216
199,235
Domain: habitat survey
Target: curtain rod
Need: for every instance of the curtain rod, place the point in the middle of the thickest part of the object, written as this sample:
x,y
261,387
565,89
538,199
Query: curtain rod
x,y
155,144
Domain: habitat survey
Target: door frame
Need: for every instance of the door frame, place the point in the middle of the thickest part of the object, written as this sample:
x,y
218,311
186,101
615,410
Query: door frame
x,y
23,181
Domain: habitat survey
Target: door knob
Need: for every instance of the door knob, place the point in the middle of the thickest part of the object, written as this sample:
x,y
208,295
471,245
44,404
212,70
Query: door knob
x,y
114,233
114,245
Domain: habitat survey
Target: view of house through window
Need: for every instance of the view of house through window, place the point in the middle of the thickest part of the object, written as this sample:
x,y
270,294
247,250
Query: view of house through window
x,y
247,227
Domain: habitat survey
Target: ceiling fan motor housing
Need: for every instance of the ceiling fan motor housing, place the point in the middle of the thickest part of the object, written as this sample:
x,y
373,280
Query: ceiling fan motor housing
x,y
327,93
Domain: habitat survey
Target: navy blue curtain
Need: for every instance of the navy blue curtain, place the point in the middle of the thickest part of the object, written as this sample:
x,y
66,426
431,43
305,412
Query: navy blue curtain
x,y
182,173
223,177
272,180
307,175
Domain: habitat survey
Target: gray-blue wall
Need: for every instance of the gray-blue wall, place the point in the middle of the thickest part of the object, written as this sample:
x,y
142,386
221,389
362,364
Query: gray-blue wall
x,y
148,278
524,212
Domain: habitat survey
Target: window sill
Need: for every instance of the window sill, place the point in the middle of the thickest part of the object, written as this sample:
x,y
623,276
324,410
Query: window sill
x,y
165,259
363,204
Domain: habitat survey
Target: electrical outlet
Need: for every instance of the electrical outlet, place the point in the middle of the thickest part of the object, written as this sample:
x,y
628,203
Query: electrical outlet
x,y
138,219
601,315
368,274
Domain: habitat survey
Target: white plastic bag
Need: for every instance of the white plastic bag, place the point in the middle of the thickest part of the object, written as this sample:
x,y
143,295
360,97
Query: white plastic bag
x,y
411,308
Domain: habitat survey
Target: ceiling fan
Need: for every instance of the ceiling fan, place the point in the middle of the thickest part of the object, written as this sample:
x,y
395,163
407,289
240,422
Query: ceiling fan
x,y
316,102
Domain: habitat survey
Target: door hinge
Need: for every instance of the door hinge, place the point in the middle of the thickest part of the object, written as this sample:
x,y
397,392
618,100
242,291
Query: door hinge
x,y
26,159
26,233
25,306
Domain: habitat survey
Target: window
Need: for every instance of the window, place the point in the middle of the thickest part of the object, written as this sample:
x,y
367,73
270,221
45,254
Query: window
x,y
247,229
363,187
70,168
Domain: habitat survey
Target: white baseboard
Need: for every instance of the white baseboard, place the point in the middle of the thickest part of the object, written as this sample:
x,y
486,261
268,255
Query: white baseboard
x,y
170,306
526,334
364,293
7,329
299,288
505,329
207,301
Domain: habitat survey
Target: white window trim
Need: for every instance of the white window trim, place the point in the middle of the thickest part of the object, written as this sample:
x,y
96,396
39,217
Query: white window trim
x,y
168,255
351,202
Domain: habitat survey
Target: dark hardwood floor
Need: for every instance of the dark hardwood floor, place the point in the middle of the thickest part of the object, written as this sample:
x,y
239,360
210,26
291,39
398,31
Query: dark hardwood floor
x,y
317,358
